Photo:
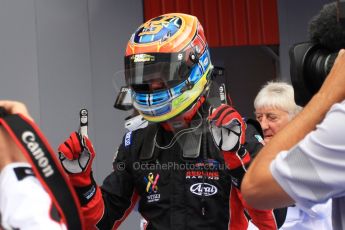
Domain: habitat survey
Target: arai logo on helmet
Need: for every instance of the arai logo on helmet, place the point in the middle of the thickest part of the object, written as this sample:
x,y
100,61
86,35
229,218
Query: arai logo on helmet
x,y
203,189
158,29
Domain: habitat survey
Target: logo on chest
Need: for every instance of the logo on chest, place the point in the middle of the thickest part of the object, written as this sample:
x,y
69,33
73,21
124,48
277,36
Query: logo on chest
x,y
203,189
208,169
152,188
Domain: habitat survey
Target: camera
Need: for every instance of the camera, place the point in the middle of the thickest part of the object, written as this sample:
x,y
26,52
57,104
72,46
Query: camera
x,y
309,65
310,62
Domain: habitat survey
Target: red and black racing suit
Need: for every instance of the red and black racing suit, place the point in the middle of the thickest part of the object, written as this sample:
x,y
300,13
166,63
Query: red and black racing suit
x,y
174,191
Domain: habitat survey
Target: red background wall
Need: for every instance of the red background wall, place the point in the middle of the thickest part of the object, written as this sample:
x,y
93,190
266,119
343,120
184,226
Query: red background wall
x,y
226,22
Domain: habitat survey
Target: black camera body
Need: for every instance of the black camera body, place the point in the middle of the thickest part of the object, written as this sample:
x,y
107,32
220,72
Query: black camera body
x,y
309,65
310,62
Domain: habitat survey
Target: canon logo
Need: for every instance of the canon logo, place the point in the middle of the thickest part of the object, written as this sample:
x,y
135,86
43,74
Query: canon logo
x,y
30,140
203,189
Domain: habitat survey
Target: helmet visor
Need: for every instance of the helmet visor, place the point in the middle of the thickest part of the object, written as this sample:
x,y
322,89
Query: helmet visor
x,y
157,71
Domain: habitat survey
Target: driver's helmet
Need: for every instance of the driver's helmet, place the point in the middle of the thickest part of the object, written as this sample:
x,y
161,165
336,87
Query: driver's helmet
x,y
167,65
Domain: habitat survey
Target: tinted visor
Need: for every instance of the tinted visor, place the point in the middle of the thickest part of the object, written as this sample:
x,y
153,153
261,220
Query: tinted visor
x,y
157,71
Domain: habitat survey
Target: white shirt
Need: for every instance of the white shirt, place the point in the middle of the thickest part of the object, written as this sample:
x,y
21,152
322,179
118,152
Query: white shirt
x,y
24,204
298,219
313,171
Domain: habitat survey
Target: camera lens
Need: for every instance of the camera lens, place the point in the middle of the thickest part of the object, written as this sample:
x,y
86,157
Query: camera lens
x,y
318,63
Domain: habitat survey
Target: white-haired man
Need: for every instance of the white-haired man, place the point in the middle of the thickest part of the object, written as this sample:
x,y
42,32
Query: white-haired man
x,y
274,107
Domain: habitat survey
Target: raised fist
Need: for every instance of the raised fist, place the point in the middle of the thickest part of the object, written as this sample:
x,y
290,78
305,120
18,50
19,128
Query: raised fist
x,y
227,128
228,132
76,155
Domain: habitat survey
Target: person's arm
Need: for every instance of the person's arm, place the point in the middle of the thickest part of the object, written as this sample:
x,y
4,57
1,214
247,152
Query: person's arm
x,y
15,107
20,190
119,194
105,206
259,188
8,149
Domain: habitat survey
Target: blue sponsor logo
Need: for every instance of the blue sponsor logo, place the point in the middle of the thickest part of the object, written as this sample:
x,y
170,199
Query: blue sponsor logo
x,y
128,139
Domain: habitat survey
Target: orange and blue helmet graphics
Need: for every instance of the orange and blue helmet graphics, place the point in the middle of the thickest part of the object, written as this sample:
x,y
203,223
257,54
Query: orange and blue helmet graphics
x,y
168,65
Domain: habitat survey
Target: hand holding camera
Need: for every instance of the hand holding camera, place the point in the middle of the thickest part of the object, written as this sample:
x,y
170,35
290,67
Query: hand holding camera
x,y
334,84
